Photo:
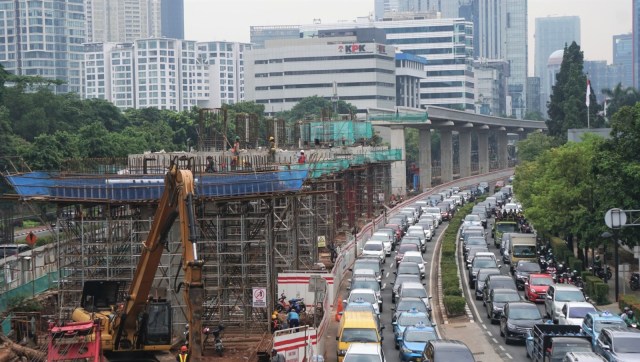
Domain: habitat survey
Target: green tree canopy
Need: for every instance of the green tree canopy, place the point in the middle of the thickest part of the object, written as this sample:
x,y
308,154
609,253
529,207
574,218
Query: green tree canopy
x,y
534,145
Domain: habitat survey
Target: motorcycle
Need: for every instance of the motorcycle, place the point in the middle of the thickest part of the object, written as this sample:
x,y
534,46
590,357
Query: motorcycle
x,y
217,341
577,279
602,273
296,304
634,281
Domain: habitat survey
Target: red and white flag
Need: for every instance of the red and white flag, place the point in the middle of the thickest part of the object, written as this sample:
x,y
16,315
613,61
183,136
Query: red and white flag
x,y
588,93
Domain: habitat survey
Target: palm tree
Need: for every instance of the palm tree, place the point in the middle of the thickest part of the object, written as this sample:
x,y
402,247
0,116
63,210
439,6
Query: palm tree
x,y
619,97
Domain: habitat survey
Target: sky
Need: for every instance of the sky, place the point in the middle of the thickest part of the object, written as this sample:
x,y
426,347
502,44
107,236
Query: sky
x,y
209,20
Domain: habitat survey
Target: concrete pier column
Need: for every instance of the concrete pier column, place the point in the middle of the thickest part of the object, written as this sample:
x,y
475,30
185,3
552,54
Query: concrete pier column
x,y
483,152
446,155
424,157
398,168
503,153
464,153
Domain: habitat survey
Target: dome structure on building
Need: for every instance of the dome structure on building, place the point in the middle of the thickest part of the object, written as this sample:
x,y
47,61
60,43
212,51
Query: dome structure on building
x,y
555,58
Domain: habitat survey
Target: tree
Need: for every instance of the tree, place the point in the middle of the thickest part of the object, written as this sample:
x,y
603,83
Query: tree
x,y
315,106
619,97
567,108
534,145
557,189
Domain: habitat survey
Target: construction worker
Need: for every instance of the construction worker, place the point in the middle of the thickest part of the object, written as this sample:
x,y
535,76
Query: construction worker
x,y
183,356
235,153
293,319
302,158
276,357
272,149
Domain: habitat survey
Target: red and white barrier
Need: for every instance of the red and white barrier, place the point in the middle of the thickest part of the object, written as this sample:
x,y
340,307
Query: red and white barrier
x,y
297,346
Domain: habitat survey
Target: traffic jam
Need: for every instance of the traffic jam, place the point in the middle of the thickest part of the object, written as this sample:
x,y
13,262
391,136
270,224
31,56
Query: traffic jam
x,y
529,305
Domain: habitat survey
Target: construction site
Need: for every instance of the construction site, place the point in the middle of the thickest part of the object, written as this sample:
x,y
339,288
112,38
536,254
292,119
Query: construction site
x,y
257,214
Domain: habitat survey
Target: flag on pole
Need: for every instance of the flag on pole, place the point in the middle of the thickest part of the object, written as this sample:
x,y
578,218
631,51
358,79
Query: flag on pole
x,y
588,93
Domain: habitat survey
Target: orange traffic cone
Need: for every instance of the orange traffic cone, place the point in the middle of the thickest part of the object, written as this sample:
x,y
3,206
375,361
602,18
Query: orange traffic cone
x,y
339,310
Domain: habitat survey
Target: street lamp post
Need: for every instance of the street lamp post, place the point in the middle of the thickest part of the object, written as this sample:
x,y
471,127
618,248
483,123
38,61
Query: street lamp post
x,y
616,259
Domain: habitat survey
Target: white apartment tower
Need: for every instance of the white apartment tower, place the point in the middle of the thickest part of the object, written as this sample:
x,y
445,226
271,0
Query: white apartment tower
x,y
156,72
226,64
122,20
44,38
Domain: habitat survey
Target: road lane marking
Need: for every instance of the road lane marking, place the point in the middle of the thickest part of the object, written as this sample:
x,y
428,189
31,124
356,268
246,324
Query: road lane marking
x,y
384,285
502,348
494,340
386,276
508,355
484,326
489,333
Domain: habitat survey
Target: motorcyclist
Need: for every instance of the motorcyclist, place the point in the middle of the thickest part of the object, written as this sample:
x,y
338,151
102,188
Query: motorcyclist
x,y
629,318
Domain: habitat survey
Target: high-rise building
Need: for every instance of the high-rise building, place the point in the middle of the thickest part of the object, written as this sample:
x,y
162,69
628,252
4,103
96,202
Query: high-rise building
x,y
260,34
445,43
447,8
286,71
552,33
623,57
44,38
172,19
154,72
635,13
603,76
226,64
533,97
490,91
516,48
123,20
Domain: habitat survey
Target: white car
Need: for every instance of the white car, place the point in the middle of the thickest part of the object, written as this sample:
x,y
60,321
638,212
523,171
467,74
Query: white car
x,y
364,295
374,248
387,241
472,220
558,295
573,313
370,352
426,232
416,257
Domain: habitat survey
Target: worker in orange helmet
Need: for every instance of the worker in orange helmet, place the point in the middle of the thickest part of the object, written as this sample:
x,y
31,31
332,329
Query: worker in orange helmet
x,y
183,356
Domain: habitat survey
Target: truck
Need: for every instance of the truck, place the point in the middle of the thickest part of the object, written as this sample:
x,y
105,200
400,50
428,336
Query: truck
x,y
523,247
141,321
551,342
501,227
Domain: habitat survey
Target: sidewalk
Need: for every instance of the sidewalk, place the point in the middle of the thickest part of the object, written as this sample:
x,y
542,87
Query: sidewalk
x,y
473,336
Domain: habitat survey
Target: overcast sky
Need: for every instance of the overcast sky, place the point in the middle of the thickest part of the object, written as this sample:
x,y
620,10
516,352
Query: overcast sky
x,y
207,20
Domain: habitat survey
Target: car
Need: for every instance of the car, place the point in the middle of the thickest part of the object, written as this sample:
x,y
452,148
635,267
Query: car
x,y
583,357
516,319
496,301
447,350
367,283
374,248
557,296
419,235
405,247
473,250
416,290
7,250
406,319
409,303
408,267
573,313
481,278
472,220
387,236
521,271
480,262
421,230
535,289
414,340
401,278
494,282
415,257
594,322
361,306
369,352
365,295
619,344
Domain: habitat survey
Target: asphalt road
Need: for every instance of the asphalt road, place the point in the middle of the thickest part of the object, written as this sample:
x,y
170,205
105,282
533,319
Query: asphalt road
x,y
515,351
388,345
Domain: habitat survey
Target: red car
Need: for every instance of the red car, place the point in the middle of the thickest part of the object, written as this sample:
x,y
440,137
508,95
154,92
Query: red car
x,y
535,289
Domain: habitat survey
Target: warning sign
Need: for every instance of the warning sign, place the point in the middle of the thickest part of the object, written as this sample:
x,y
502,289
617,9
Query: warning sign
x,y
31,239
259,297
322,241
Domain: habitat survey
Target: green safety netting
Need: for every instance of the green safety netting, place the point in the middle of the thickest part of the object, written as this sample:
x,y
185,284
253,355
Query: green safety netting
x,y
387,155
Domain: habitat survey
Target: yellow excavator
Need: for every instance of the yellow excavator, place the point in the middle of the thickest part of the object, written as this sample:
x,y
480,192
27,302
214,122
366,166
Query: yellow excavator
x,y
141,322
